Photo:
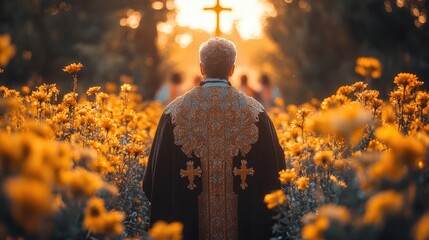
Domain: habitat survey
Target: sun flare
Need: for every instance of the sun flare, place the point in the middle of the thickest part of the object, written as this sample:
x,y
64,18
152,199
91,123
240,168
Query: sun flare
x,y
247,15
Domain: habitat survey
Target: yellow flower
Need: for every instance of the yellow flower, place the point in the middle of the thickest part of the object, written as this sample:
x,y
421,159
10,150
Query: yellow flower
x,y
69,99
338,182
387,167
287,175
409,151
345,90
279,102
303,113
382,205
296,149
339,165
326,215
315,231
421,229
165,231
98,221
7,49
113,223
107,124
26,90
126,87
110,87
333,178
82,183
134,150
422,99
275,199
343,121
31,202
388,114
359,86
342,184
93,90
40,96
368,67
73,68
404,79
144,161
388,134
302,183
323,158
95,208
338,213
375,145
101,97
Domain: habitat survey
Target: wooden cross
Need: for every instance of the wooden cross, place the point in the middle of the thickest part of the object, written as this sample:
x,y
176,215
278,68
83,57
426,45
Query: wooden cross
x,y
191,172
217,9
243,172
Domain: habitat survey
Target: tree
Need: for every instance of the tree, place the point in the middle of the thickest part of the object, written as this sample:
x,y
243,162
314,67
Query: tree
x,y
320,40
50,34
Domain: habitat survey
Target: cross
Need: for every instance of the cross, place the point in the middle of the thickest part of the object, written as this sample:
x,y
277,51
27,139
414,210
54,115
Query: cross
x,y
243,172
191,172
217,9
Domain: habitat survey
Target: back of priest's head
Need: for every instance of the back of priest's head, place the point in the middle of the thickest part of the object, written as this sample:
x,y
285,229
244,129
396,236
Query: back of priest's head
x,y
217,57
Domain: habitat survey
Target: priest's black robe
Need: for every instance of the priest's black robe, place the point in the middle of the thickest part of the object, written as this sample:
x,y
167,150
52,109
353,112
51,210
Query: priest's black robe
x,y
216,131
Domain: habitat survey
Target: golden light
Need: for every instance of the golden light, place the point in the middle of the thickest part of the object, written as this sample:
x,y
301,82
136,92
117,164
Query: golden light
x,y
170,5
304,5
132,20
157,5
165,27
422,19
421,164
416,12
248,15
184,40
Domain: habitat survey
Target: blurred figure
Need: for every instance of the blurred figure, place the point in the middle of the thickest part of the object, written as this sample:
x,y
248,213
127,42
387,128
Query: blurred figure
x,y
197,80
268,93
170,90
244,87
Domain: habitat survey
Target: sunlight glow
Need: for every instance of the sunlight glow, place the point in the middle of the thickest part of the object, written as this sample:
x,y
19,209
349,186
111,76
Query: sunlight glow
x,y
184,40
246,14
132,20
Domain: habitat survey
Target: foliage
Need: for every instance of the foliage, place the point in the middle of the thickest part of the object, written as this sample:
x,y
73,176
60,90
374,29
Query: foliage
x,y
357,165
354,156
318,42
52,33
67,153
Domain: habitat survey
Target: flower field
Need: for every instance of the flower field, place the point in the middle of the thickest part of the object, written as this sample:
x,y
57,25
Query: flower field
x,y
72,166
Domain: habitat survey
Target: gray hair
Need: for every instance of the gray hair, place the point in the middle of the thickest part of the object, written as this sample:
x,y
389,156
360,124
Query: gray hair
x,y
217,55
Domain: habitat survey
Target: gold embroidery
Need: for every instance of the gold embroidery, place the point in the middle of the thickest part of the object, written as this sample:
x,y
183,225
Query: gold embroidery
x,y
216,124
243,172
191,172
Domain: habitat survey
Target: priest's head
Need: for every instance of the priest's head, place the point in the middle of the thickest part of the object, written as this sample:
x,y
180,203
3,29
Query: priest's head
x,y
217,58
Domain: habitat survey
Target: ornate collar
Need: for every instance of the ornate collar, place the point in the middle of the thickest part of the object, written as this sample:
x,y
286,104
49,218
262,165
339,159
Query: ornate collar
x,y
216,81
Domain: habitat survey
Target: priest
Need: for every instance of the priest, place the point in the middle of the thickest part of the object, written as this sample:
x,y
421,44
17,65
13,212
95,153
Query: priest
x,y
214,157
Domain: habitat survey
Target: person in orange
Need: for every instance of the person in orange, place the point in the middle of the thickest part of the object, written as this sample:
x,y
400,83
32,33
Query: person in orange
x,y
268,93
171,90
244,86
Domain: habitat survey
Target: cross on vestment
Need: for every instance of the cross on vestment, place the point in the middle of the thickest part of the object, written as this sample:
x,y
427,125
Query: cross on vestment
x,y
243,172
218,8
191,172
